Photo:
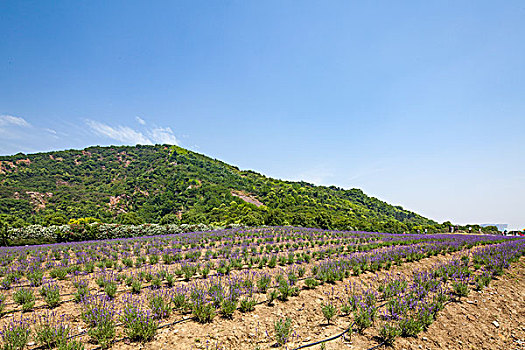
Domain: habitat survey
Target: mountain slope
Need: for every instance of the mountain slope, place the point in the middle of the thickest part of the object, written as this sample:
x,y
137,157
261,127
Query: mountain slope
x,y
168,184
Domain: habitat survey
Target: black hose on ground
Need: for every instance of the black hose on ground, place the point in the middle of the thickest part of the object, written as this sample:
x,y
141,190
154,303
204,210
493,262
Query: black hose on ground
x,y
326,340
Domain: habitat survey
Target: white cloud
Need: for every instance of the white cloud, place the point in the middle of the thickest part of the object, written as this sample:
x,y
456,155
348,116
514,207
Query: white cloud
x,y
140,120
127,135
6,120
163,135
120,133
52,132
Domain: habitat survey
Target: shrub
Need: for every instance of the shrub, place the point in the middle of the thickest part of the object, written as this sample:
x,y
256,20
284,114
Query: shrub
x,y
59,273
89,267
35,277
128,262
285,290
311,283
228,307
98,313
410,327
156,282
247,304
283,330
364,317
179,300
203,310
159,306
170,279
25,297
139,325
51,333
51,294
136,286
388,333
15,335
271,296
263,283
206,270
460,288
346,309
329,310
110,288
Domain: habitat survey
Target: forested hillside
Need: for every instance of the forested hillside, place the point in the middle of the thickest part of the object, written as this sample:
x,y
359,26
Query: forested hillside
x,y
168,184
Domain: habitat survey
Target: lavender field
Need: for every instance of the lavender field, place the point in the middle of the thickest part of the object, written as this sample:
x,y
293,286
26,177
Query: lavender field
x,y
242,288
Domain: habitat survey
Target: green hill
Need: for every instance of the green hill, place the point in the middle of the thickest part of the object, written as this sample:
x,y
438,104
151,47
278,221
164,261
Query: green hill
x,y
169,184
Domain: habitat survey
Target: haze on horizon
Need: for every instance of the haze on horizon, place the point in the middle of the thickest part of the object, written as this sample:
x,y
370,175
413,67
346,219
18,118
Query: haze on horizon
x,y
419,104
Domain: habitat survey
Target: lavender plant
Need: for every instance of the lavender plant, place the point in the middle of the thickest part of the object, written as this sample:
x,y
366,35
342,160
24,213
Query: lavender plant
x,y
483,279
170,279
35,277
388,333
202,309
311,283
51,293
24,297
263,283
460,285
247,304
82,289
283,330
51,332
159,304
15,335
2,304
5,284
180,301
329,310
110,288
271,296
364,317
98,313
228,307
136,286
139,324
410,326
59,273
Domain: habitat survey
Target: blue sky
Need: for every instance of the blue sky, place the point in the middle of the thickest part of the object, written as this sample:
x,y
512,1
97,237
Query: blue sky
x,y
419,103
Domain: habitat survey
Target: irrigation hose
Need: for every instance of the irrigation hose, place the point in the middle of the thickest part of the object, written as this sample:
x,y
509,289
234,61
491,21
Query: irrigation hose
x,y
326,340
377,346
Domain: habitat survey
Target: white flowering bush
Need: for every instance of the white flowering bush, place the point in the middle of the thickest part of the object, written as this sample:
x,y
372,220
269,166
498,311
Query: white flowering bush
x,y
96,231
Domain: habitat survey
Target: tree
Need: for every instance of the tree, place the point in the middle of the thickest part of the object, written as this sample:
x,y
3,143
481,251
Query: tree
x,y
273,217
303,220
170,218
130,218
323,220
54,219
3,234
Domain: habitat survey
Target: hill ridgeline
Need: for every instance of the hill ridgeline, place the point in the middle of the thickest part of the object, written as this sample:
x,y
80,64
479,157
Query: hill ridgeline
x,y
170,185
